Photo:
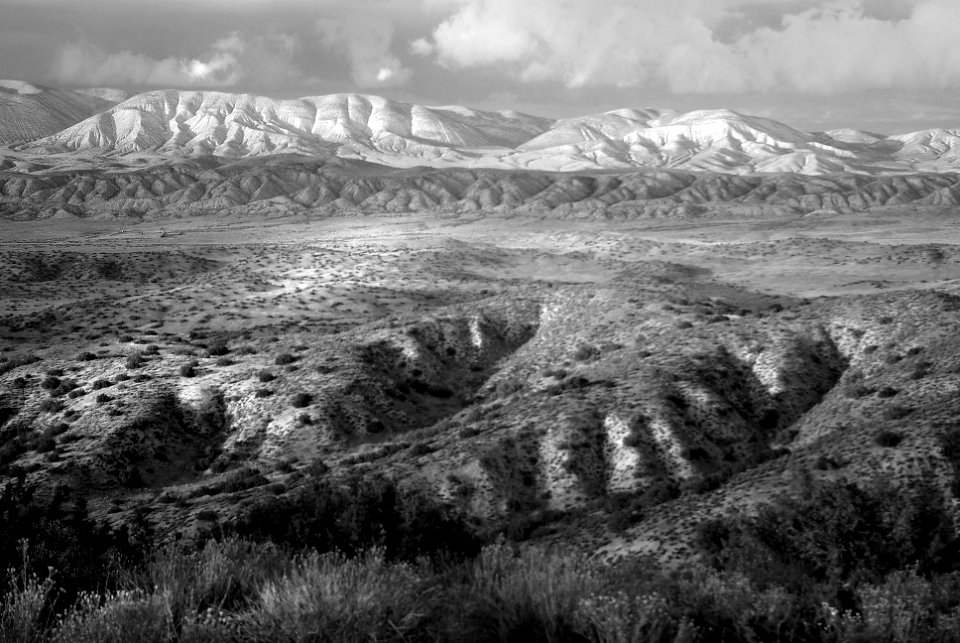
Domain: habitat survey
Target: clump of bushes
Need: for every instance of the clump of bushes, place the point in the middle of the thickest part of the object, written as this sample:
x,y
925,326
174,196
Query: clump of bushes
x,y
16,362
135,360
361,559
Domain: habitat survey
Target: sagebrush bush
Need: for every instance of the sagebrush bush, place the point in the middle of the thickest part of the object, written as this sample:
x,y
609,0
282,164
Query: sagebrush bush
x,y
530,595
333,598
23,614
117,617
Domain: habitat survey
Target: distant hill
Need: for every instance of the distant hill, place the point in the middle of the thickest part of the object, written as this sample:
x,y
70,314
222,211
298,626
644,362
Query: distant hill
x,y
28,112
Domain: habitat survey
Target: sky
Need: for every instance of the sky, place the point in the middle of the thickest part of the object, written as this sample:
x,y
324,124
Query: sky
x,y
888,66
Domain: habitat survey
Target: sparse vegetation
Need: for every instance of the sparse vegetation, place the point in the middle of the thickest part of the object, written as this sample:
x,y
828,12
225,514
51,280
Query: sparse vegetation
x,y
610,385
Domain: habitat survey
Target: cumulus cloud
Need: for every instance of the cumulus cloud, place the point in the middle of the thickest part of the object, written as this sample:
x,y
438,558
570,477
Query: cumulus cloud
x,y
833,46
365,41
227,63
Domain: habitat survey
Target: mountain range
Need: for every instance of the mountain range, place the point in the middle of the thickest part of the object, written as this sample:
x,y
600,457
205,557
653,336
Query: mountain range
x,y
90,125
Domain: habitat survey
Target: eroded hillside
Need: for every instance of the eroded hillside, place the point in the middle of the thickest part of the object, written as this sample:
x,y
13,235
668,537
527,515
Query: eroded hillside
x,y
337,187
602,396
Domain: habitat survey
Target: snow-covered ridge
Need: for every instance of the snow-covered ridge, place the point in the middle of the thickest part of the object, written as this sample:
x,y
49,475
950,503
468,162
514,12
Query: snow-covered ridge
x,y
197,123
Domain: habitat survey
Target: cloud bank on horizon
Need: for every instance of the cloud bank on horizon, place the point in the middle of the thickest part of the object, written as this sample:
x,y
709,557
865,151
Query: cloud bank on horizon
x,y
836,46
682,46
464,49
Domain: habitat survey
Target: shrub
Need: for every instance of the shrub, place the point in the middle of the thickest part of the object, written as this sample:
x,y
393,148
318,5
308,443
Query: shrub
x,y
50,383
301,400
51,406
585,353
264,392
266,376
333,598
533,595
46,444
103,398
135,360
888,439
24,616
86,356
117,617
284,358
218,347
189,369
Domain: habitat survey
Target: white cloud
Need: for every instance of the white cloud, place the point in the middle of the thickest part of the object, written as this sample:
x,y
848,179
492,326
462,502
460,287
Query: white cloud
x,y
835,46
365,41
228,62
